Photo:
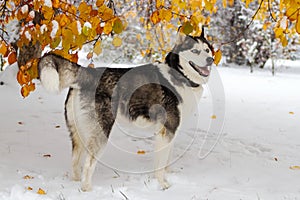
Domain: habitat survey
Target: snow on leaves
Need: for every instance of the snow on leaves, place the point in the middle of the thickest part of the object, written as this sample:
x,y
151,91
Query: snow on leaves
x,y
60,24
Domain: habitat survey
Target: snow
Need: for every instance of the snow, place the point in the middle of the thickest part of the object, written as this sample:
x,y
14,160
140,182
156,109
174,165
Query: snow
x,y
24,9
55,27
259,143
48,3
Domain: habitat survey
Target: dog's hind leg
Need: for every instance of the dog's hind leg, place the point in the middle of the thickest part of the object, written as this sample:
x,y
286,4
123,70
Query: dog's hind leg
x,y
77,146
94,148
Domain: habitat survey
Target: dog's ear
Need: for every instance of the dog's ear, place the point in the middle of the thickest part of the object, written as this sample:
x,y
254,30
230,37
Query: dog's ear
x,y
202,33
180,38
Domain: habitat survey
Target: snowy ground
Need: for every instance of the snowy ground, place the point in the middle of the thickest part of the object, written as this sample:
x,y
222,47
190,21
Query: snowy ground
x,y
253,159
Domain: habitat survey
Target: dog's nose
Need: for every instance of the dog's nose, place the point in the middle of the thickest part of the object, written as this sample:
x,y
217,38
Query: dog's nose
x,y
210,60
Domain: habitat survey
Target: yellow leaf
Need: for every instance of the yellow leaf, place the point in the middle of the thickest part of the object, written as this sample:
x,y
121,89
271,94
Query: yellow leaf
x,y
283,40
208,5
214,117
224,2
117,42
295,167
63,20
47,12
118,26
67,38
160,3
217,56
74,27
278,32
108,28
298,24
84,10
55,42
187,28
165,14
97,47
291,113
41,191
292,11
99,3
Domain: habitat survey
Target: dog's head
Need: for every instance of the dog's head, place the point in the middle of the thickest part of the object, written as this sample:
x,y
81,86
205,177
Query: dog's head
x,y
192,57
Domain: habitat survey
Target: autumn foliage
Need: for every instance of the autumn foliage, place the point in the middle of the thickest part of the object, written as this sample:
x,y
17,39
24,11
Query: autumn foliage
x,y
65,26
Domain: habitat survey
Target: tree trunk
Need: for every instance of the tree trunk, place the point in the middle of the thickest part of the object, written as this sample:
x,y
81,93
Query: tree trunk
x,y
28,52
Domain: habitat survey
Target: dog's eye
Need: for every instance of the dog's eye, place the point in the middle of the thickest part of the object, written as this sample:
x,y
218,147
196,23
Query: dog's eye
x,y
196,51
207,50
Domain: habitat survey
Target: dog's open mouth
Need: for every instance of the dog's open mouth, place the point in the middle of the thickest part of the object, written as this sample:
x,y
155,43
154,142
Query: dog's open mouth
x,y
203,71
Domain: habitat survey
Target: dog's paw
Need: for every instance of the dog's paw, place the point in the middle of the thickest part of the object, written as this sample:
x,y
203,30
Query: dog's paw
x,y
164,184
86,187
76,177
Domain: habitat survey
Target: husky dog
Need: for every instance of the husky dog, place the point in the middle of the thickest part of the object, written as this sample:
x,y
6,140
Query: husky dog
x,y
154,92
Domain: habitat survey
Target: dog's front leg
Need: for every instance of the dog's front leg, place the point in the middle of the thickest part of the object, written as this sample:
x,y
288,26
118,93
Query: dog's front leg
x,y
163,146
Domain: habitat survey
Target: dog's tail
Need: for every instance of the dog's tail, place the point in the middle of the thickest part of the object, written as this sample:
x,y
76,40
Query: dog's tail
x,y
57,73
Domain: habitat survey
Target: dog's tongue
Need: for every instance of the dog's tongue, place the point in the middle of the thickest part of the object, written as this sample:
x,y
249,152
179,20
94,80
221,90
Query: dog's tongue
x,y
204,70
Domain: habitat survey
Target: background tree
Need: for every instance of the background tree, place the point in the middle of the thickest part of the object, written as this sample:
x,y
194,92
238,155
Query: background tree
x,y
144,29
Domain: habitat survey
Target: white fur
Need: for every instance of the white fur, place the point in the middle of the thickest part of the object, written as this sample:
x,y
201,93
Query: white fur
x,y
50,79
163,147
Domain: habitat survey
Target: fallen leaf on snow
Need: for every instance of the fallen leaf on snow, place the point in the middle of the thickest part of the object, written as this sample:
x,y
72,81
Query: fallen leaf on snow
x,y
141,152
28,177
29,188
291,113
295,167
214,117
41,191
47,156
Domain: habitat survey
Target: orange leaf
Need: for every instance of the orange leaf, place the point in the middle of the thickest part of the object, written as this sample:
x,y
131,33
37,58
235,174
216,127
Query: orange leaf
x,y
29,188
141,152
41,191
25,91
12,57
55,3
27,177
217,56
155,17
89,55
298,24
99,3
3,49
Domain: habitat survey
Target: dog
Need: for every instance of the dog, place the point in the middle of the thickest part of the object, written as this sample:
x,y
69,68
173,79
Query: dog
x,y
153,92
